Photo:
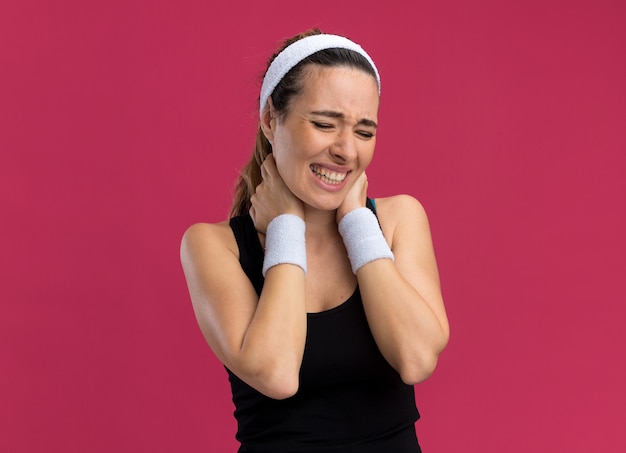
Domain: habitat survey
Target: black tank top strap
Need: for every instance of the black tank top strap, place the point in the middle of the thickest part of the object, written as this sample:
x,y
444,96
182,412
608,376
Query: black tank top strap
x,y
250,250
371,203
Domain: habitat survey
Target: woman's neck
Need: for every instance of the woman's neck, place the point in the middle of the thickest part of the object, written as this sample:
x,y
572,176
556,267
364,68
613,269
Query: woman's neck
x,y
320,223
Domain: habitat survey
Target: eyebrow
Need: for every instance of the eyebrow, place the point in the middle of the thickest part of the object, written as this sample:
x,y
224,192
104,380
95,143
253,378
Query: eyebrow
x,y
339,115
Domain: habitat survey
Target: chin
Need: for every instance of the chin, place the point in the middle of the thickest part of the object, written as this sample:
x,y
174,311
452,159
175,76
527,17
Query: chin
x,y
330,203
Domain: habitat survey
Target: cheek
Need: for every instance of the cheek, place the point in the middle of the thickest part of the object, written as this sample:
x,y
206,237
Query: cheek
x,y
280,152
283,145
288,153
280,163
368,155
284,164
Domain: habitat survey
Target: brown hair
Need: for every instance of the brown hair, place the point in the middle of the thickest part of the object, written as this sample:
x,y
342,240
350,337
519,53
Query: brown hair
x,y
287,89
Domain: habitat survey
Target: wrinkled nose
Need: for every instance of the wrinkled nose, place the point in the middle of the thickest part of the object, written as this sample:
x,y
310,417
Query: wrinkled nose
x,y
344,148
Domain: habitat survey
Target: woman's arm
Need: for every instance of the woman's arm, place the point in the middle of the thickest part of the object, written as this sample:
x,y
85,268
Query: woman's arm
x,y
402,298
260,339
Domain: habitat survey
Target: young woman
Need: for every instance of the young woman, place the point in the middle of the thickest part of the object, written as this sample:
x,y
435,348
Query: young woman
x,y
323,305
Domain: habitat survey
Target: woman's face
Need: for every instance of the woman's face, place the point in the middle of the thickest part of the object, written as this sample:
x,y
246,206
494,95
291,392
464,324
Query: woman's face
x,y
326,140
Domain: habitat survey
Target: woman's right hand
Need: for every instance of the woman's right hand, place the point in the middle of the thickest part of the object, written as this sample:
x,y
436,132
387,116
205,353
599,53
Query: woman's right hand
x,y
272,197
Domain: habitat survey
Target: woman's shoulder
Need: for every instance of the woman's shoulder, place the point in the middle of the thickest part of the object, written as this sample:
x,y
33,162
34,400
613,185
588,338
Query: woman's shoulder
x,y
399,206
208,230
399,211
217,237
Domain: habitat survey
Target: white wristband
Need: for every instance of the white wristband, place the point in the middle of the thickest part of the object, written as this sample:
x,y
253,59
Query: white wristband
x,y
284,242
363,238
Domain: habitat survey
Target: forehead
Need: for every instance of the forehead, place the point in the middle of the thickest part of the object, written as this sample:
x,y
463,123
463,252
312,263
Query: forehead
x,y
341,88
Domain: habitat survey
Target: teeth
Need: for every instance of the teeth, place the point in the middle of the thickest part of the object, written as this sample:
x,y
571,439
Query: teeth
x,y
328,176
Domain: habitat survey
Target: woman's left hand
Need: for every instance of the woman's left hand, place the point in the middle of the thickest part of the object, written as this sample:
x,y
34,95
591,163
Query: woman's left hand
x,y
355,198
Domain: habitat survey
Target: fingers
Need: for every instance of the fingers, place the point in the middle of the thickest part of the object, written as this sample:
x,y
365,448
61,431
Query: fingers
x,y
273,196
271,179
264,169
359,191
355,198
364,190
268,167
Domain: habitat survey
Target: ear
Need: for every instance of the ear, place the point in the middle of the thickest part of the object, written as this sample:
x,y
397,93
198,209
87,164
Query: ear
x,y
268,120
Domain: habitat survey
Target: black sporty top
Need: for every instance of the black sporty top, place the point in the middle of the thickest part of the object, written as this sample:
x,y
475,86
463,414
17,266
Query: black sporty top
x,y
349,396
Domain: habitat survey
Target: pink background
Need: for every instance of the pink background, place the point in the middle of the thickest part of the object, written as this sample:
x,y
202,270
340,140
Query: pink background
x,y
123,122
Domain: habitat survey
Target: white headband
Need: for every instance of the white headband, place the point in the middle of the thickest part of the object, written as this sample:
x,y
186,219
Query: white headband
x,y
297,52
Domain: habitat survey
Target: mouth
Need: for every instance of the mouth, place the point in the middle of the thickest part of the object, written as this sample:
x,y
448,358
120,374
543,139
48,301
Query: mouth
x,y
329,177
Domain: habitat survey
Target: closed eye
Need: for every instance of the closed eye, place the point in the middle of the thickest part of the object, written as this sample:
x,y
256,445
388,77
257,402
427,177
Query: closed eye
x,y
322,126
366,135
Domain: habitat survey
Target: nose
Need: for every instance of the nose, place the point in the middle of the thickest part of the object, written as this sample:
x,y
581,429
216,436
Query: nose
x,y
345,147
